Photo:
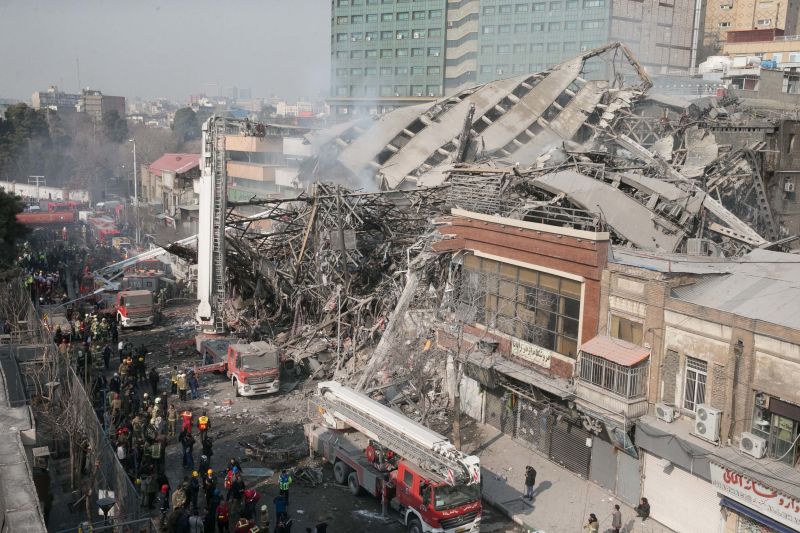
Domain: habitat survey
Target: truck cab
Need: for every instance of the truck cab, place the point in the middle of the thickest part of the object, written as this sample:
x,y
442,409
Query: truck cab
x,y
134,308
253,368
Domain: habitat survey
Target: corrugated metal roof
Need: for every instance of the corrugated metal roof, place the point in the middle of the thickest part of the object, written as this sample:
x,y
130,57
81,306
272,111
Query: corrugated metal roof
x,y
177,163
616,350
762,285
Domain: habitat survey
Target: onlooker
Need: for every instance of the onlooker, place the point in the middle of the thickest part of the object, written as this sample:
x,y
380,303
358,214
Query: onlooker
x,y
593,525
616,519
643,509
530,481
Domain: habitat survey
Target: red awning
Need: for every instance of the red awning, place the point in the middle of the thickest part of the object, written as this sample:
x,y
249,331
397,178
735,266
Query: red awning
x,y
616,350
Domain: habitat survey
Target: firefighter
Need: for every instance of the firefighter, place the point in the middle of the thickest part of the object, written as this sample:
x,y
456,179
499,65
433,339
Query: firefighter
x,y
182,386
173,378
186,423
284,482
203,424
172,420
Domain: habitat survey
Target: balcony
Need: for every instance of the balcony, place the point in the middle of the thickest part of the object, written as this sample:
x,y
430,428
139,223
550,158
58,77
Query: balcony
x,y
612,378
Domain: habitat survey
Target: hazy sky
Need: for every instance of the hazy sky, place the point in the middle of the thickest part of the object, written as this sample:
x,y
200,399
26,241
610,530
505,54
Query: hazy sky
x,y
169,48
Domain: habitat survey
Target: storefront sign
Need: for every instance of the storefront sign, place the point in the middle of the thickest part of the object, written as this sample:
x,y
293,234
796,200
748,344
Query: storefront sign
x,y
756,496
531,353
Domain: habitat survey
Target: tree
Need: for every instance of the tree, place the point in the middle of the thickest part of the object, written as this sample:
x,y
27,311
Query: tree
x,y
185,124
10,228
21,125
115,126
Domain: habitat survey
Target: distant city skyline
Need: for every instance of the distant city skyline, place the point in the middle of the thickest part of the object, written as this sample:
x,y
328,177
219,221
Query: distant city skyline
x,y
172,49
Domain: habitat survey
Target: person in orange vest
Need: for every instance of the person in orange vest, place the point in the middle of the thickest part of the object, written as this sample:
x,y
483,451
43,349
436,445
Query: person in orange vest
x,y
203,424
186,416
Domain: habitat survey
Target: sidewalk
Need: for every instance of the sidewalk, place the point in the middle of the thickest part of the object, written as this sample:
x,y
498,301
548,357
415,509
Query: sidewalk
x,y
561,502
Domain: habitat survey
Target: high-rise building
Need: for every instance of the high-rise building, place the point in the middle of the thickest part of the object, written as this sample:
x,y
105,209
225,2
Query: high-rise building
x,y
55,100
727,15
388,53
94,103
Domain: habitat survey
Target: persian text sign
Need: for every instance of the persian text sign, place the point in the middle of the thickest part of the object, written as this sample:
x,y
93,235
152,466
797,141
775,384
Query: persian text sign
x,y
758,497
531,353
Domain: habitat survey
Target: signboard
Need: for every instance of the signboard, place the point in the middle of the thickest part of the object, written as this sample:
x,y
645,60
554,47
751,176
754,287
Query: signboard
x,y
531,353
756,496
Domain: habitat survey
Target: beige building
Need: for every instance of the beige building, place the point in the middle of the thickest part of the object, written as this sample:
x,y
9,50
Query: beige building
x,y
95,103
725,16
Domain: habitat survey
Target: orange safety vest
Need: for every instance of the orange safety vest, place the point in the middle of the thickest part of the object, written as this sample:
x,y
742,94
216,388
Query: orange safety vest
x,y
202,423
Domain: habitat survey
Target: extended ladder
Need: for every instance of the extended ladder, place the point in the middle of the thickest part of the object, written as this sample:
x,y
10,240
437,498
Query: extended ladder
x,y
220,195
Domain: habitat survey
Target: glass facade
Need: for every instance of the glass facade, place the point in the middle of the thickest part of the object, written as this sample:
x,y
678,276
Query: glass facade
x,y
388,48
537,307
521,37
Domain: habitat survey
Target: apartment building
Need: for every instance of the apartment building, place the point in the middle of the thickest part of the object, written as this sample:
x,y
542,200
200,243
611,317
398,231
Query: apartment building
x,y
726,16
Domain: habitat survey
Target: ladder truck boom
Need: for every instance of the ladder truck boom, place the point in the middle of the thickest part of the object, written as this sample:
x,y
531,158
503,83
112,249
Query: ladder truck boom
x,y
392,429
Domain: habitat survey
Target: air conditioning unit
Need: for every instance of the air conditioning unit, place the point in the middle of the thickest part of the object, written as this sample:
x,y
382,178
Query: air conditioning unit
x,y
753,445
706,422
665,412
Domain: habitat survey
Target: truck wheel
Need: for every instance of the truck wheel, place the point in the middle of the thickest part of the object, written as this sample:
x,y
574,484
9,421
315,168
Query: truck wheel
x,y
235,388
353,485
341,471
414,526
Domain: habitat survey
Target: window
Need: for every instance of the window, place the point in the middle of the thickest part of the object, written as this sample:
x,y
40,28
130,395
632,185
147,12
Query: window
x,y
417,34
401,52
555,6
401,90
386,35
372,53
356,72
539,6
342,90
357,19
408,479
726,7
519,69
418,15
434,70
342,3
433,90
417,52
371,35
487,49
434,51
533,306
435,14
342,20
520,28
371,71
724,24
402,16
628,382
417,71
372,17
386,90
554,47
591,24
356,36
401,71
777,421
572,4
341,54
386,71
554,26
487,29
387,1
537,47
520,48
488,10
570,46
370,90
504,28
341,72
521,8
487,69
387,17
386,53
764,22
435,32
401,34
417,90
695,384
506,9
571,25
341,37
356,54
372,2
622,328
504,49
537,26
593,3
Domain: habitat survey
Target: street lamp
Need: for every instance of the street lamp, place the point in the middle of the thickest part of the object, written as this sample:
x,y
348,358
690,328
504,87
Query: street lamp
x,y
135,191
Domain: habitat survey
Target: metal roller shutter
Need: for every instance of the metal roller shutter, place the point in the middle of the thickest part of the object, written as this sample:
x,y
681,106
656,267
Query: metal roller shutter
x,y
568,446
604,464
500,410
532,425
679,500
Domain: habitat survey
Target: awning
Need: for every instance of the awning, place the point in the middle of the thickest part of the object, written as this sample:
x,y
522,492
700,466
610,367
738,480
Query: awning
x,y
616,350
755,515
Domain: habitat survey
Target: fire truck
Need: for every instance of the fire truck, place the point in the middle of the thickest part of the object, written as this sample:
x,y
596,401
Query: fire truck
x,y
253,368
417,472
134,308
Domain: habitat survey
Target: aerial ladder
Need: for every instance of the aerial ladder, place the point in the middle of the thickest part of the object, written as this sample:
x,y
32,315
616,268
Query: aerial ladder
x,y
434,486
213,211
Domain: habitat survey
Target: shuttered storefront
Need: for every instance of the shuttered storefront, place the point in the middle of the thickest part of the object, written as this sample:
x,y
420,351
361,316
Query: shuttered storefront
x,y
604,464
501,410
568,446
680,500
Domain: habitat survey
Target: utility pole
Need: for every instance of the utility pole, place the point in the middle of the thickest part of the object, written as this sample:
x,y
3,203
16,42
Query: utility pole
x,y
38,181
135,193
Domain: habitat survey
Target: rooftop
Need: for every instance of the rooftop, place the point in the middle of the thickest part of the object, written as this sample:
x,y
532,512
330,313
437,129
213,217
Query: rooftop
x,y
616,350
177,163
